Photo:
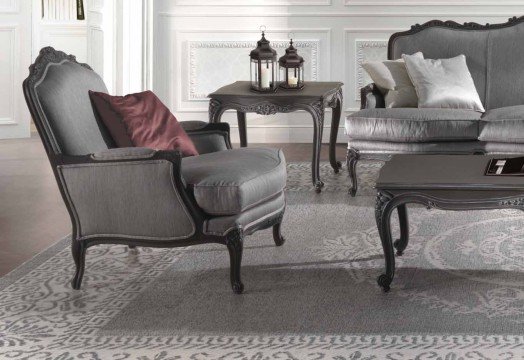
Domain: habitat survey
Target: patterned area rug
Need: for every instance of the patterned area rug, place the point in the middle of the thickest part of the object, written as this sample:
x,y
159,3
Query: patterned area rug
x,y
458,292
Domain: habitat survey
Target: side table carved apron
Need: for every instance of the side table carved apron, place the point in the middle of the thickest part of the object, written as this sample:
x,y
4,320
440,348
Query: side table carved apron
x,y
314,98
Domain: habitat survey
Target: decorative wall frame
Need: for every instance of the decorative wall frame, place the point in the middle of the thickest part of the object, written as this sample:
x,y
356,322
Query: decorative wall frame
x,y
307,48
374,50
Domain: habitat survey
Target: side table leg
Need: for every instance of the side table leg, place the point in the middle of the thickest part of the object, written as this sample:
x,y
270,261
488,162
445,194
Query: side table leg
x,y
383,210
317,113
241,117
335,121
215,111
402,243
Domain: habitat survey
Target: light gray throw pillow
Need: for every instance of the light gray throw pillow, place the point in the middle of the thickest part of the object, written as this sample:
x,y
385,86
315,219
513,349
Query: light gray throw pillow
x,y
443,83
392,79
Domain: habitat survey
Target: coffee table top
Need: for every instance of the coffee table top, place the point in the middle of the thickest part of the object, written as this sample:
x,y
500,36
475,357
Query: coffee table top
x,y
443,172
242,89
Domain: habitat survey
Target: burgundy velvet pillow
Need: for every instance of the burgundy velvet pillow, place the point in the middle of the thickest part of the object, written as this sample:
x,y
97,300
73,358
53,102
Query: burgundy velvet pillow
x,y
147,122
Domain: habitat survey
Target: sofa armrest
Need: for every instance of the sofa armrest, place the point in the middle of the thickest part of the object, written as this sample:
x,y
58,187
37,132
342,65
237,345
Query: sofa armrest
x,y
371,97
128,193
208,137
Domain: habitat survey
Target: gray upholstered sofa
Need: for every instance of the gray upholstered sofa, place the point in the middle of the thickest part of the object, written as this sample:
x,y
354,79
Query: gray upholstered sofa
x,y
494,56
143,197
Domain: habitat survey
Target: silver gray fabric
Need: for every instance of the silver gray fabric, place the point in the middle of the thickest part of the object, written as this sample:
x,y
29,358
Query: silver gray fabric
x,y
205,141
503,148
444,43
124,153
504,125
506,67
230,182
413,125
208,141
384,147
494,58
126,199
443,83
63,96
248,219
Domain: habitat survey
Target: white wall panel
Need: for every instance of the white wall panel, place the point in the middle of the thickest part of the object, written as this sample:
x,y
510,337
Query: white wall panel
x,y
9,6
15,57
201,45
8,74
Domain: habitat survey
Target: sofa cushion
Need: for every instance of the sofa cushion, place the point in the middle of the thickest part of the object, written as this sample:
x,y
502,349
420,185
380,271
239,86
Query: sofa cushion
x,y
413,125
503,125
232,181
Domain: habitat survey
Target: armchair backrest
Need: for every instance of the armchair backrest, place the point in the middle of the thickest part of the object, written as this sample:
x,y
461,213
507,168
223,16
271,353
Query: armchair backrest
x,y
56,93
493,52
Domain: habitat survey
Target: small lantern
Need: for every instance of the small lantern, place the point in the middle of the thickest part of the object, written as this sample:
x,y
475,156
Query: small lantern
x,y
264,74
291,69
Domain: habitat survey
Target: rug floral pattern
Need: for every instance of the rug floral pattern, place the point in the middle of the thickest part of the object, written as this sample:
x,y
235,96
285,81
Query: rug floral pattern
x,y
41,317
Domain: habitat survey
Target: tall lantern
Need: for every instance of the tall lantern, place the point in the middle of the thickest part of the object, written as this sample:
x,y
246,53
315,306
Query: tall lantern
x,y
291,69
264,73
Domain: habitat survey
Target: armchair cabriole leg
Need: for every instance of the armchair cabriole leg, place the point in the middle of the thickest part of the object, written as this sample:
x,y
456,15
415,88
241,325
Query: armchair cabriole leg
x,y
277,235
351,161
235,244
78,250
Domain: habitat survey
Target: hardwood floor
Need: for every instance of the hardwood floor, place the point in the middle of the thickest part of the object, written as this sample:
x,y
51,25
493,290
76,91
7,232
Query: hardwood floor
x,y
32,213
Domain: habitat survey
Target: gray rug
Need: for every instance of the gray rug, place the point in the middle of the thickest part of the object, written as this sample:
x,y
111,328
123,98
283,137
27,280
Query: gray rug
x,y
458,292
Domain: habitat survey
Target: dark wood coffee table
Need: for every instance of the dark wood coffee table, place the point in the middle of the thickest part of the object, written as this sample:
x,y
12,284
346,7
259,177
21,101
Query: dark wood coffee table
x,y
313,98
449,182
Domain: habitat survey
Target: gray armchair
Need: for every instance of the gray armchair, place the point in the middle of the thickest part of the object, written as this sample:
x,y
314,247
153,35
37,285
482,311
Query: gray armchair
x,y
143,197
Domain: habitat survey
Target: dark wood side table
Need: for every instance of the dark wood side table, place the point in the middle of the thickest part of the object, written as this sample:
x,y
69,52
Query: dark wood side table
x,y
313,98
448,182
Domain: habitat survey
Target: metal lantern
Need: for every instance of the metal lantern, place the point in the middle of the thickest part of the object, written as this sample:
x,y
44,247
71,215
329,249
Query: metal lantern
x,y
264,74
291,69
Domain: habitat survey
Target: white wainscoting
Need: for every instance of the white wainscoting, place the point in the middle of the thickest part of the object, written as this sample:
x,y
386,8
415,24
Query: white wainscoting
x,y
200,45
15,57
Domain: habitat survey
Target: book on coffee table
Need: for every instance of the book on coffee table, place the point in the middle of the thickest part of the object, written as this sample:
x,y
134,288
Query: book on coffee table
x,y
506,167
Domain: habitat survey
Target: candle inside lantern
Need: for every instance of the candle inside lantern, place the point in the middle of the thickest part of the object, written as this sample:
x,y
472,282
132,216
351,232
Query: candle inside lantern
x,y
265,77
292,80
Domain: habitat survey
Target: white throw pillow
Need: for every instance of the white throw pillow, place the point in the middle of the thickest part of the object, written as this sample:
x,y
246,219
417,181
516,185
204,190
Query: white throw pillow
x,y
392,79
443,83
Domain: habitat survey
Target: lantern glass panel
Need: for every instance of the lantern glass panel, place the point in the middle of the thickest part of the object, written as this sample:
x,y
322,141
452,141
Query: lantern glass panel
x,y
264,75
292,77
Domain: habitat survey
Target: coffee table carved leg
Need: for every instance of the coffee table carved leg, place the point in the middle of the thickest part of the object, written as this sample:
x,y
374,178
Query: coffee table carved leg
x,y
383,211
241,118
335,121
402,243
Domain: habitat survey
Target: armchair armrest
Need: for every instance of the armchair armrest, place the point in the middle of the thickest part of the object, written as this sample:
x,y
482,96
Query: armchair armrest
x,y
208,137
371,97
128,193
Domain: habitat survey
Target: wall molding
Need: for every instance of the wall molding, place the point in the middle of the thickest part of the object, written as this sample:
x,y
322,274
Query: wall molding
x,y
252,3
314,45
14,30
433,3
360,47
340,14
359,43
10,7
